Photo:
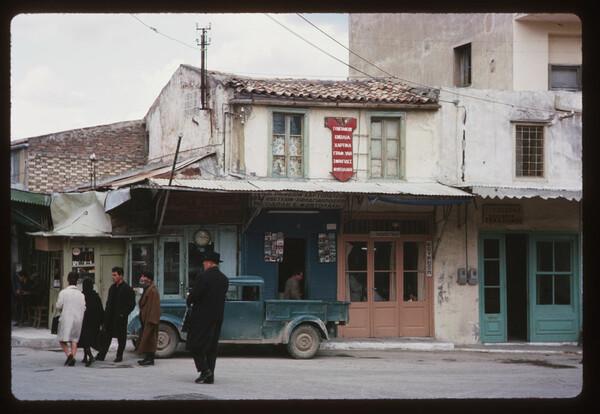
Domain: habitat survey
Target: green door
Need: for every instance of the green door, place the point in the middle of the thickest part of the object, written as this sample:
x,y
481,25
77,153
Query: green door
x,y
554,303
492,288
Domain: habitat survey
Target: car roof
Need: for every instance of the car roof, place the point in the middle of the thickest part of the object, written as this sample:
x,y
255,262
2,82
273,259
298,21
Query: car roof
x,y
247,280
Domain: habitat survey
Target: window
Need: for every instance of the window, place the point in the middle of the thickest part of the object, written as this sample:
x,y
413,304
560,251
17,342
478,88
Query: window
x,y
287,146
554,273
385,150
529,151
564,77
462,71
192,103
237,293
142,259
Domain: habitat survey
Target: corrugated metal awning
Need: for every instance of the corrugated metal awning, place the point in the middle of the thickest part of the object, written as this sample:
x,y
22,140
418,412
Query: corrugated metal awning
x,y
520,192
427,189
22,196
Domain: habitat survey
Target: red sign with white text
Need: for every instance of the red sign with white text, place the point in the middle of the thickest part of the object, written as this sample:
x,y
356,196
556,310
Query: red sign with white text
x,y
341,147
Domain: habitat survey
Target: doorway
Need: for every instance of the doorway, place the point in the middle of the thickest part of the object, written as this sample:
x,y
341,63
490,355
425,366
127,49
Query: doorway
x,y
516,286
294,257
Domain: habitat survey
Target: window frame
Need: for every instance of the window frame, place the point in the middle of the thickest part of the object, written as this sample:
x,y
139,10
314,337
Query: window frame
x,y
576,68
460,54
543,126
305,123
401,117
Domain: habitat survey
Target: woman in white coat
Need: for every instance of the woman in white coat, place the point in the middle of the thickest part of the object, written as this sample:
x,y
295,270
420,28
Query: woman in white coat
x,y
71,304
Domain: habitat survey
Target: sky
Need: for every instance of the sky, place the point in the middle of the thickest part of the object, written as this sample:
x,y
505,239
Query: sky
x,y
72,71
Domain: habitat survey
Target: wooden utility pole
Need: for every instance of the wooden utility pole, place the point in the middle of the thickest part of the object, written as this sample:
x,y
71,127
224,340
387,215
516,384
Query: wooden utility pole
x,y
203,43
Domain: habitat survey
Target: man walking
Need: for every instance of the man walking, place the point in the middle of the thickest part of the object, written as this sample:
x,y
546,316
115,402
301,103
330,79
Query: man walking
x,y
207,299
120,303
292,286
150,312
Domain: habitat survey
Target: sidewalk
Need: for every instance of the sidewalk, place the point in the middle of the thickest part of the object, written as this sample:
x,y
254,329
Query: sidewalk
x,y
23,336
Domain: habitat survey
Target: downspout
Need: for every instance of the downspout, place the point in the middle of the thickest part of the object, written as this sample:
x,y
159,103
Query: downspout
x,y
162,214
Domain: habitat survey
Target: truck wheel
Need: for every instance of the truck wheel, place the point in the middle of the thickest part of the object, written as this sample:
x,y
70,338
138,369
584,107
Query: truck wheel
x,y
304,342
167,341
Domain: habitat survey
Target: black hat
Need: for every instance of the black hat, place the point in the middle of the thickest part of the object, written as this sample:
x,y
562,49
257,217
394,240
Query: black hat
x,y
213,257
147,274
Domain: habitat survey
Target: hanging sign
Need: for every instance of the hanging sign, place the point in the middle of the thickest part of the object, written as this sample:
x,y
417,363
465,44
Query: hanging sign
x,y
429,259
341,147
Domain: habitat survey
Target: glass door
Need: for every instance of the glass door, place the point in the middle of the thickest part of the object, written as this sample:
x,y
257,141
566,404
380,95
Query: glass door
x,y
554,301
173,278
492,288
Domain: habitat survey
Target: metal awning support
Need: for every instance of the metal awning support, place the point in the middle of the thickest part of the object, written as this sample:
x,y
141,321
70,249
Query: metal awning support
x,y
162,214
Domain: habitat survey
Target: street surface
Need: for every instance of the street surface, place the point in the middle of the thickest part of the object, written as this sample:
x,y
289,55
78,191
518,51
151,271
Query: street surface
x,y
263,373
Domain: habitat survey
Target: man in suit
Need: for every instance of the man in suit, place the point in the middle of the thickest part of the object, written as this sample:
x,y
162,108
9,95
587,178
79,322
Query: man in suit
x,y
120,303
207,299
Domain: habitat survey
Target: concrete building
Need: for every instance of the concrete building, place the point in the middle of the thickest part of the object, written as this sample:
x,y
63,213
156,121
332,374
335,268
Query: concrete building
x,y
510,132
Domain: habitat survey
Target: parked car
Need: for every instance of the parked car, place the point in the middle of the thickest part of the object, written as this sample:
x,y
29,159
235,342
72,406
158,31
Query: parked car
x,y
250,319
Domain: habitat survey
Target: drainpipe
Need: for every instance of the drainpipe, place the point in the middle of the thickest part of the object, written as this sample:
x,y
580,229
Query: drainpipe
x,y
162,214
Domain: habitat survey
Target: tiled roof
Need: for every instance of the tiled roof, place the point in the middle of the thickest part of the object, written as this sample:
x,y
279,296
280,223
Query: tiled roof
x,y
352,91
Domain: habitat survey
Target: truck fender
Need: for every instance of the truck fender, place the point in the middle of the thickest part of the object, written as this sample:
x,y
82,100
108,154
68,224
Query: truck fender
x,y
134,326
312,320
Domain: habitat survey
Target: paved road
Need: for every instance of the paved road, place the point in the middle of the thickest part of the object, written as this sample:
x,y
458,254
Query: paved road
x,y
259,373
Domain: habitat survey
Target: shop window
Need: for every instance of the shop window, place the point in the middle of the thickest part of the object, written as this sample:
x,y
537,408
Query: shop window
x,y
385,147
356,271
491,272
529,151
554,273
142,259
385,275
414,271
83,259
287,145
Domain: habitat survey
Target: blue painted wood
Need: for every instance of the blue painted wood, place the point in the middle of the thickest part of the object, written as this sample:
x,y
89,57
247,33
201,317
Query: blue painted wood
x,y
320,278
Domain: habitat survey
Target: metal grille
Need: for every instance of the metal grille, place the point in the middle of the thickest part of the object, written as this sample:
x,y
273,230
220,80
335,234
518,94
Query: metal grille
x,y
530,151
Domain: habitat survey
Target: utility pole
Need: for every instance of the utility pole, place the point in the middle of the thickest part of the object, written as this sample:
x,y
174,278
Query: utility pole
x,y
203,43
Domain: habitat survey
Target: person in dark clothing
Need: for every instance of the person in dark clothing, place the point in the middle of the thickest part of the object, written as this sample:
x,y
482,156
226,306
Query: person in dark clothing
x,y
207,300
92,320
120,303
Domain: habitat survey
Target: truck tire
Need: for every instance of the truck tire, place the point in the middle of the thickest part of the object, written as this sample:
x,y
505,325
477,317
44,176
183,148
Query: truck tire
x,y
167,341
304,342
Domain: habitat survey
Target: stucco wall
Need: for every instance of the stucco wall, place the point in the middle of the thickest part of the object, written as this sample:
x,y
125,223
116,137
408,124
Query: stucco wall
x,y
420,47
420,135
490,137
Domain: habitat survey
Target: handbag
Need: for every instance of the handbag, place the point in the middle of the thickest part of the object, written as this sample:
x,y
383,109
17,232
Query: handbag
x,y
185,326
54,327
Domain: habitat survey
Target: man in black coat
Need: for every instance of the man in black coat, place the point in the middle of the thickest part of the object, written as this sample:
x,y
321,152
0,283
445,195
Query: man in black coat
x,y
120,303
207,299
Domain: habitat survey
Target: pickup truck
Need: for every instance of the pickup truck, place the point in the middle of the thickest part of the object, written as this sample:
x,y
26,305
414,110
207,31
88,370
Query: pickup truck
x,y
251,319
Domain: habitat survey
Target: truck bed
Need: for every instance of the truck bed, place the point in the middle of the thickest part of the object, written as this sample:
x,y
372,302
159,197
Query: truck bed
x,y
327,311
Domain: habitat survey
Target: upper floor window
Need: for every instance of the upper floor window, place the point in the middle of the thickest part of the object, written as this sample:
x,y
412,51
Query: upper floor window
x,y
287,144
462,71
529,150
564,77
385,148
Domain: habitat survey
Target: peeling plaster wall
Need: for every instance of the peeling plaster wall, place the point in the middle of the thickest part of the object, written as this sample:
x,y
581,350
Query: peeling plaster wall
x,y
490,137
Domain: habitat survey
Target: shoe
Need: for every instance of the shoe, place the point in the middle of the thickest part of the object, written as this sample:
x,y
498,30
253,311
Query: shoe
x,y
209,380
118,359
99,357
71,362
69,359
204,376
146,362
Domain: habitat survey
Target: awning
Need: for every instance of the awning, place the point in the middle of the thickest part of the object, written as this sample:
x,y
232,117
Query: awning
x,y
78,215
421,202
27,197
421,189
522,192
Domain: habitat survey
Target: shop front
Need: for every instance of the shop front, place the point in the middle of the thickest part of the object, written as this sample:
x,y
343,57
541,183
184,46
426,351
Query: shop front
x,y
385,271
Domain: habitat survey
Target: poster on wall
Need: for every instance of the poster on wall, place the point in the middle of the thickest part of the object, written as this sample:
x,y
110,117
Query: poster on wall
x,y
327,248
274,247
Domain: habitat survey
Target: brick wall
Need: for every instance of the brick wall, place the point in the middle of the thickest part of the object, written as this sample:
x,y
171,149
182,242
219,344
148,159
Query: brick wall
x,y
61,161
